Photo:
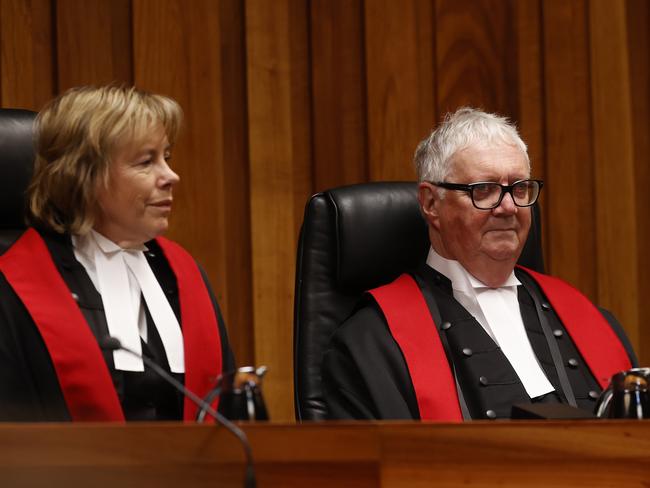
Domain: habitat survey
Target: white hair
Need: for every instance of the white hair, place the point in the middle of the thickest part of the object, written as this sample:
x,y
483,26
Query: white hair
x,y
461,129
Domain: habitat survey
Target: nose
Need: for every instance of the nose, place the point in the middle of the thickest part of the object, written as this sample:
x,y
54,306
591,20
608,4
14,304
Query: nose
x,y
506,207
167,176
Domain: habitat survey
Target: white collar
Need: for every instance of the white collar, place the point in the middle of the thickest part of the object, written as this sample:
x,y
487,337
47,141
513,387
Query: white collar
x,y
122,277
461,279
84,245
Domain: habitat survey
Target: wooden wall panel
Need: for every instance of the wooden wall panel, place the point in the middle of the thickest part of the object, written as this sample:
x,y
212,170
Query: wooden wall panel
x,y
236,234
569,190
400,84
27,57
638,42
280,179
189,55
615,207
93,42
476,56
530,88
530,84
338,93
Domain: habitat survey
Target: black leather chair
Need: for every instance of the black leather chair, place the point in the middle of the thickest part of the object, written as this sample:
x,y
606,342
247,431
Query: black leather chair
x,y
16,166
355,238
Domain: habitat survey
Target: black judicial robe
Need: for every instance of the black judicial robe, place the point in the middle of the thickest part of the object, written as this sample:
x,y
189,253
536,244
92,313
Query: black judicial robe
x,y
29,387
365,375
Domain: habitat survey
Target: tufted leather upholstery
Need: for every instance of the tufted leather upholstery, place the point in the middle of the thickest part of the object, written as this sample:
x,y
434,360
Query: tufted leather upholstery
x,y
16,166
355,238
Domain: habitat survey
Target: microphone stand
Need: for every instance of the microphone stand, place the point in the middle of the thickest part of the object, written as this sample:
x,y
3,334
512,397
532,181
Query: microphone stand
x,y
112,344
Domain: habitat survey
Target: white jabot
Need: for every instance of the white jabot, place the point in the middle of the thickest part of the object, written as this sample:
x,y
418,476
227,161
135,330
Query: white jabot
x,y
497,310
120,276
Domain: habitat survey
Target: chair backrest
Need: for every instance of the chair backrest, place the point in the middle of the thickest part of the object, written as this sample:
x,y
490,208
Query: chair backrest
x,y
355,238
16,167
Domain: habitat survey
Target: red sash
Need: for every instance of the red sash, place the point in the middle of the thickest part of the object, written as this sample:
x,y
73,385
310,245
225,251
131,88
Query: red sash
x,y
413,329
201,340
84,378
409,319
598,344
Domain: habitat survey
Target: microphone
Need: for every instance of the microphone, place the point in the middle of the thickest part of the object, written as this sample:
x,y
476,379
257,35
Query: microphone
x,y
109,343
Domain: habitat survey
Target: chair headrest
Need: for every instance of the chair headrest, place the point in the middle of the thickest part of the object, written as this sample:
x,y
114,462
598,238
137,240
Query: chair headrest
x,y
16,164
367,215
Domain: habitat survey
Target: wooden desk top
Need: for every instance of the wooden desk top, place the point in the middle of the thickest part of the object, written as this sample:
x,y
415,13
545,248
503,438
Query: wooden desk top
x,y
359,454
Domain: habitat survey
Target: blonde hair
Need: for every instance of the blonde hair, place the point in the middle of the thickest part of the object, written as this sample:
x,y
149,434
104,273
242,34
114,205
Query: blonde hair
x,y
76,135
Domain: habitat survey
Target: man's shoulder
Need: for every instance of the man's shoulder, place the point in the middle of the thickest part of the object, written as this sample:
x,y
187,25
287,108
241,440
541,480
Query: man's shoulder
x,y
364,323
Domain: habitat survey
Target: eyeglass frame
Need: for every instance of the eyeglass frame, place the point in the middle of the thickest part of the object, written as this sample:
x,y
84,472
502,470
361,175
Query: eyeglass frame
x,y
469,188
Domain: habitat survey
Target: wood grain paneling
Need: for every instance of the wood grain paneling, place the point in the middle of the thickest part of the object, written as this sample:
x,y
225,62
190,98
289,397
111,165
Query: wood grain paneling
x,y
400,84
93,42
569,190
476,56
638,42
530,89
27,57
338,93
615,207
190,55
280,179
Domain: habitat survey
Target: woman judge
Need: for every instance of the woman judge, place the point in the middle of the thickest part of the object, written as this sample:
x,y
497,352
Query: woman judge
x,y
93,266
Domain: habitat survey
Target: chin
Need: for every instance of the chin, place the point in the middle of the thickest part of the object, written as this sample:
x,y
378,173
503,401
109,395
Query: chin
x,y
504,253
157,231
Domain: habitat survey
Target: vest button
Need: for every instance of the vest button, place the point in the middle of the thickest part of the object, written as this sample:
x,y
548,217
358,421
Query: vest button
x,y
75,297
467,351
446,326
593,394
151,254
491,414
483,381
558,333
573,363
546,306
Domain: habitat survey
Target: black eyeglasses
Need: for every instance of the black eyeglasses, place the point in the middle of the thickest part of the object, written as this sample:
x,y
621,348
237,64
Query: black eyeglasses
x,y
487,195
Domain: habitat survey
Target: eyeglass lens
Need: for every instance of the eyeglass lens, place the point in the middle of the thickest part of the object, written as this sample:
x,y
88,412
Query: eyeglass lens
x,y
488,195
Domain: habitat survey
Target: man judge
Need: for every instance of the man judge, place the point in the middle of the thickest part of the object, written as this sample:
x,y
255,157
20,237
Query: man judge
x,y
469,334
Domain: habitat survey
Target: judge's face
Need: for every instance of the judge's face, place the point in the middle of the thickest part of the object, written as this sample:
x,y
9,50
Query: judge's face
x,y
477,238
134,206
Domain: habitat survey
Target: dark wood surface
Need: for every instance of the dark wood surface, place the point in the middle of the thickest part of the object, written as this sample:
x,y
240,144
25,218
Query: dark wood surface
x,y
567,454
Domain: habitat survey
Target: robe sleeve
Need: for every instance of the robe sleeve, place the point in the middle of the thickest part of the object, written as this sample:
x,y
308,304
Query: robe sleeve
x,y
29,388
364,372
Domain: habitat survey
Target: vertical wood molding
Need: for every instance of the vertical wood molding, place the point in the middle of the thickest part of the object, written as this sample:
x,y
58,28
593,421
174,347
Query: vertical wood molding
x,y
615,207
27,58
638,41
280,179
569,190
530,83
93,42
400,84
338,93
187,54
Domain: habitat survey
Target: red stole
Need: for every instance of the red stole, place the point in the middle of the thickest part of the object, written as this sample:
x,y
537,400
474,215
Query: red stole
x,y
414,331
84,378
598,344
409,320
